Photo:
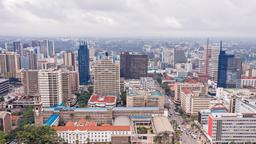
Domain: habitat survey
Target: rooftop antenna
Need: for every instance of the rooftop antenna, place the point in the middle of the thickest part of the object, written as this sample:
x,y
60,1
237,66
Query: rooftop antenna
x,y
221,45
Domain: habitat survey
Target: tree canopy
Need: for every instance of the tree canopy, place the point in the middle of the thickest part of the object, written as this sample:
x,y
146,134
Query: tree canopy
x,y
37,135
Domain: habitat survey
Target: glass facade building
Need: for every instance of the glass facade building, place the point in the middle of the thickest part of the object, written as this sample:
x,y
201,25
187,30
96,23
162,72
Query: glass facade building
x,y
83,64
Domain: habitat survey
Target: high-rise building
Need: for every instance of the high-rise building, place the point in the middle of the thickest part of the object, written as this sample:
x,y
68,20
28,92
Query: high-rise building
x,y
211,57
50,87
179,56
9,64
32,59
30,82
83,64
229,70
18,47
69,60
47,49
133,66
106,77
168,57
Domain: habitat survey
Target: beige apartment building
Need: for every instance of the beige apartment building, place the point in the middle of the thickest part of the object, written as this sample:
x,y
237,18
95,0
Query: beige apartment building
x,y
193,85
50,87
9,64
30,82
192,101
106,77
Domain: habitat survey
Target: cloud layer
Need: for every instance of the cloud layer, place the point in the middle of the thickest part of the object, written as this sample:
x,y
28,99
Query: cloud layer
x,y
128,18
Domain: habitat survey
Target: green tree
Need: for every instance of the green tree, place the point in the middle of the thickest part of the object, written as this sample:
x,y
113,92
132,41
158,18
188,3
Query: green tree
x,y
123,98
38,135
27,117
90,90
3,137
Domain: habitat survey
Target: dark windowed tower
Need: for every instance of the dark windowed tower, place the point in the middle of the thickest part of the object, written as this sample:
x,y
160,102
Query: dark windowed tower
x,y
133,66
83,63
229,70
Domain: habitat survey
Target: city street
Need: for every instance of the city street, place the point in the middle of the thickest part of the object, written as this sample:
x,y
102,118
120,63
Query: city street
x,y
186,137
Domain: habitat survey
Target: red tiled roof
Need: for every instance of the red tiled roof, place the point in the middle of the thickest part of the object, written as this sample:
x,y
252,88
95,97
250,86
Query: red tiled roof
x,y
245,77
92,128
106,99
191,81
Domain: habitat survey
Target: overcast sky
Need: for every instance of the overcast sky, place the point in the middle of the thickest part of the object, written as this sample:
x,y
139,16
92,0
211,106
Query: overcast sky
x,y
128,18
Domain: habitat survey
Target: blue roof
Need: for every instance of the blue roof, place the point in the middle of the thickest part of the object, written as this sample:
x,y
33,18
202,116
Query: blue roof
x,y
135,108
51,119
140,117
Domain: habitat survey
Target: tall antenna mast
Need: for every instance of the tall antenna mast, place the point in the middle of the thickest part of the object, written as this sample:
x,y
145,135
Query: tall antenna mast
x,y
207,58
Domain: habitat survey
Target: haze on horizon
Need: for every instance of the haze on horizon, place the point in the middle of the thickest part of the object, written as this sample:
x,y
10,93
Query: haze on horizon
x,y
128,18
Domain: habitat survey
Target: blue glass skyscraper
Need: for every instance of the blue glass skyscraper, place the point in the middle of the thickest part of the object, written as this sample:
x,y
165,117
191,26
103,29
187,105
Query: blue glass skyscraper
x,y
83,63
229,70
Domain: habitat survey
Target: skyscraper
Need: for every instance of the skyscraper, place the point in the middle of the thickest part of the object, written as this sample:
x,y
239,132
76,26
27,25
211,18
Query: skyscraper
x,y
69,60
47,49
229,70
133,66
50,87
83,63
106,77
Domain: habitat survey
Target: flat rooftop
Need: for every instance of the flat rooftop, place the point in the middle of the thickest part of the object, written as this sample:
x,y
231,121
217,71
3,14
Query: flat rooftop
x,y
162,124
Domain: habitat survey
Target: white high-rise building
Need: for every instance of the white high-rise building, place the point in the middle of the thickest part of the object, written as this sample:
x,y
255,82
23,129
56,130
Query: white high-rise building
x,y
168,56
106,77
50,87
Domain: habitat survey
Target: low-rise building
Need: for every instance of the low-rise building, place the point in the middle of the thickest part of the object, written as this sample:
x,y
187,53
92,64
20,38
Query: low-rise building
x,y
248,82
5,121
81,132
4,85
143,93
102,101
232,128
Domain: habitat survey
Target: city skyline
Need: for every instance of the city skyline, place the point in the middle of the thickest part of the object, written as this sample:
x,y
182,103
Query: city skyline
x,y
115,18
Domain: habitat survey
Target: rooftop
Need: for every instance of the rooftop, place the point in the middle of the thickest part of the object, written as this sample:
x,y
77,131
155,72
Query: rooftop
x,y
51,119
102,99
3,80
162,124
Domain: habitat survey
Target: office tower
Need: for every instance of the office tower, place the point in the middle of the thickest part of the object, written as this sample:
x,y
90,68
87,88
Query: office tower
x,y
106,77
69,60
30,82
47,49
50,87
28,59
232,128
9,64
69,82
168,57
83,63
18,47
211,57
5,121
179,56
133,66
229,70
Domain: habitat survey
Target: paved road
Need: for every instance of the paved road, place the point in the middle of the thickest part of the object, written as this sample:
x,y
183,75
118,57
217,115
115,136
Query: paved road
x,y
185,139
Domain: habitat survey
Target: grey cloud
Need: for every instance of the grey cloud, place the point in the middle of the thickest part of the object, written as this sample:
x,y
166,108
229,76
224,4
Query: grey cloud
x,y
128,17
